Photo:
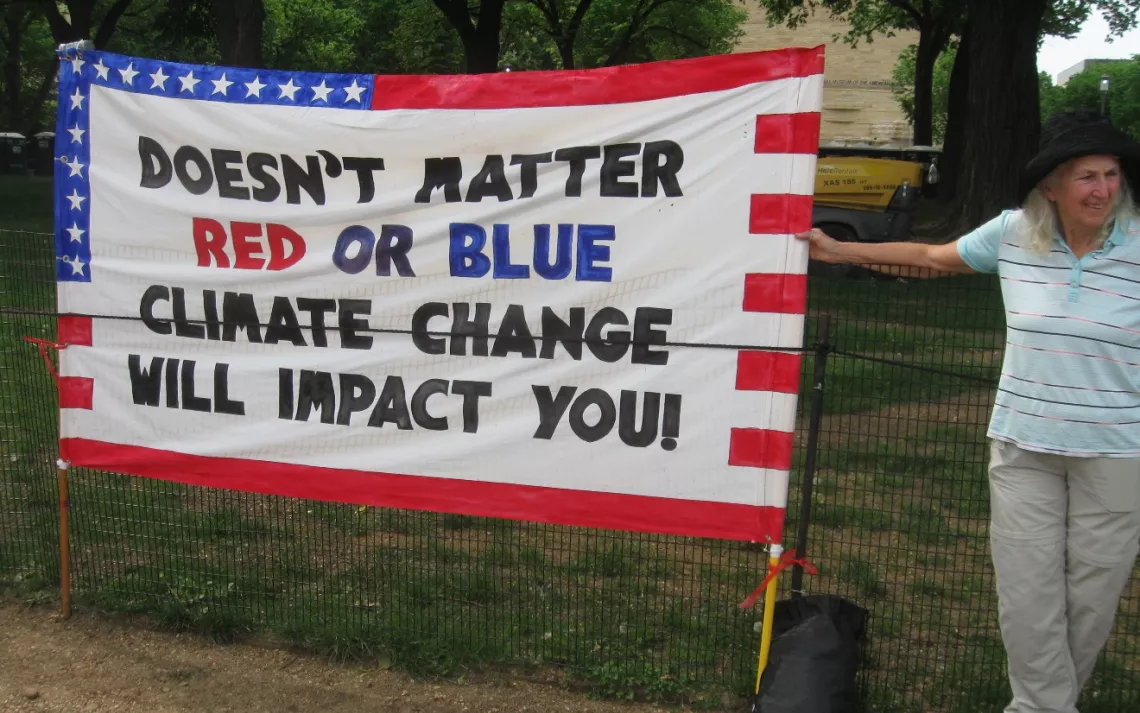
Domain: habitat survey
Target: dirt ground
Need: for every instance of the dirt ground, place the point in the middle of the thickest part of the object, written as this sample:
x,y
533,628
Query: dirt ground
x,y
89,663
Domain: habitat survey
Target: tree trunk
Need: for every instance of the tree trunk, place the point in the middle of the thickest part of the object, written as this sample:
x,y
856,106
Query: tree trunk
x,y
566,51
12,109
480,36
950,162
240,25
79,14
930,45
481,53
569,35
485,57
1003,120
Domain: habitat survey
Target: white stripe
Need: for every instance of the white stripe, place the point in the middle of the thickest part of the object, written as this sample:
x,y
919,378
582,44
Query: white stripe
x,y
769,410
769,173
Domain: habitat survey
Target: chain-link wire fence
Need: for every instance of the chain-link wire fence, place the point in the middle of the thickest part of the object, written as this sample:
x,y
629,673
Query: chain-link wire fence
x,y
898,525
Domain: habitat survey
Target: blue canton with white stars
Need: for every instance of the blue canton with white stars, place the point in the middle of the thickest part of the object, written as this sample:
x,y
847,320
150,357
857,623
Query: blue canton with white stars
x,y
79,70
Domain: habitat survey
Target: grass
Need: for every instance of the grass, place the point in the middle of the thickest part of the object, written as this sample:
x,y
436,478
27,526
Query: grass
x,y
899,512
28,501
989,690
26,203
848,516
1115,686
927,525
863,576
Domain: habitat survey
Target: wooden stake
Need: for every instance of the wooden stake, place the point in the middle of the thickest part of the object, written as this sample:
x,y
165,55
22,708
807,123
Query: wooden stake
x,y
64,541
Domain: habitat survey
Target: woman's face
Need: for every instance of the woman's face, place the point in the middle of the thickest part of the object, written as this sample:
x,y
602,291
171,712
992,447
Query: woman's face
x,y
1084,191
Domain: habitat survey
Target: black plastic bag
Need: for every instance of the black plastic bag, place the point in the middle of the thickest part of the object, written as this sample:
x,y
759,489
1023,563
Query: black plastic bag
x,y
816,652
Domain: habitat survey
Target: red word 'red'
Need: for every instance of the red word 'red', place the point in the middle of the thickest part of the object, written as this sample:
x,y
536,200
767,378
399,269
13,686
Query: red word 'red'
x,y
246,246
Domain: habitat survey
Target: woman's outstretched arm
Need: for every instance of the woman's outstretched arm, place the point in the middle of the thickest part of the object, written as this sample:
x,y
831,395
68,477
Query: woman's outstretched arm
x,y
939,260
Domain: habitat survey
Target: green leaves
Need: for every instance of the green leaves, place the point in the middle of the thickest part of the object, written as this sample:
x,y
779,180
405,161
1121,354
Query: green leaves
x,y
902,86
617,31
1083,92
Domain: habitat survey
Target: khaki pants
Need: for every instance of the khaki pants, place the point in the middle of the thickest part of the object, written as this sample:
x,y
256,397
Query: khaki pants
x,y
1064,533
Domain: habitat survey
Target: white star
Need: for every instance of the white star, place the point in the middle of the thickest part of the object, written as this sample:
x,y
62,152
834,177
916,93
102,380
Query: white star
x,y
189,82
76,265
288,90
128,74
76,134
254,88
75,166
76,200
353,92
221,86
76,233
321,92
101,69
158,79
76,63
77,100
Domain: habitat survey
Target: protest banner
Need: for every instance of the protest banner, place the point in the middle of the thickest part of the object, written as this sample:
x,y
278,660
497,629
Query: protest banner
x,y
567,297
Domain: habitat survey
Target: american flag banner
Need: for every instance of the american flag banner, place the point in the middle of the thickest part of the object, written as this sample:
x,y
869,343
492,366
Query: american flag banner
x,y
569,297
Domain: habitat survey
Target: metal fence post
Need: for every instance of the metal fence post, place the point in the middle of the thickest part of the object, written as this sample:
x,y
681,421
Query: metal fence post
x,y
822,348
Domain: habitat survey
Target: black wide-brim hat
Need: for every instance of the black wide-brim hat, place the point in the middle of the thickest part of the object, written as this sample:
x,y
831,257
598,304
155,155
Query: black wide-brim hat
x,y
1072,134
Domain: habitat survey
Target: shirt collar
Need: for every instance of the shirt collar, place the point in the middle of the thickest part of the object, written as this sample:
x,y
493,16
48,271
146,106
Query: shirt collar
x,y
1123,230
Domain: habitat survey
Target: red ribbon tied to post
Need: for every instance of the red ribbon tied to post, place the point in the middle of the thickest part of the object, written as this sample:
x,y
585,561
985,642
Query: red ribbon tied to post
x,y
788,559
44,345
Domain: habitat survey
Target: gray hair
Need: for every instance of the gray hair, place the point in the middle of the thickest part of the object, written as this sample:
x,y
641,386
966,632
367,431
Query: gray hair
x,y
1042,223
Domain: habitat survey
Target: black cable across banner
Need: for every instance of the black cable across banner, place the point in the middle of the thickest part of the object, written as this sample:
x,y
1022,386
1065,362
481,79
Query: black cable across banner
x,y
601,340
539,337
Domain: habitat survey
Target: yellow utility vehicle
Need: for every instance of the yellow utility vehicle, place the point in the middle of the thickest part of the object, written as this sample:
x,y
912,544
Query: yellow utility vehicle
x,y
870,194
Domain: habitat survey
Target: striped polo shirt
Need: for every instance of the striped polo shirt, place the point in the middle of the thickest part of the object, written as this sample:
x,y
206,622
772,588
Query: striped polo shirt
x,y
1070,380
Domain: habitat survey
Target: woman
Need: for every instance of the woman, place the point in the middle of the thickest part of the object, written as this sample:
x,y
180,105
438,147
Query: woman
x,y
1065,429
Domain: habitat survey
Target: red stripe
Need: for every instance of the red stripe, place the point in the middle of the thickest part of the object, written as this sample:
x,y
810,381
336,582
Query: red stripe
x,y
1065,352
73,331
780,213
787,133
521,502
76,392
588,87
783,293
759,448
768,371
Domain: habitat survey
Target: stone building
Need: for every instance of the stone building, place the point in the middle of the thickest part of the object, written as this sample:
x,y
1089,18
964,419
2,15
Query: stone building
x,y
1064,77
858,106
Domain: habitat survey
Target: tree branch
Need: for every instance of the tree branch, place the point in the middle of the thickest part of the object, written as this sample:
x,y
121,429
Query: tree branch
x,y
142,11
639,15
458,15
490,22
576,18
110,20
909,9
61,29
550,12
677,33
